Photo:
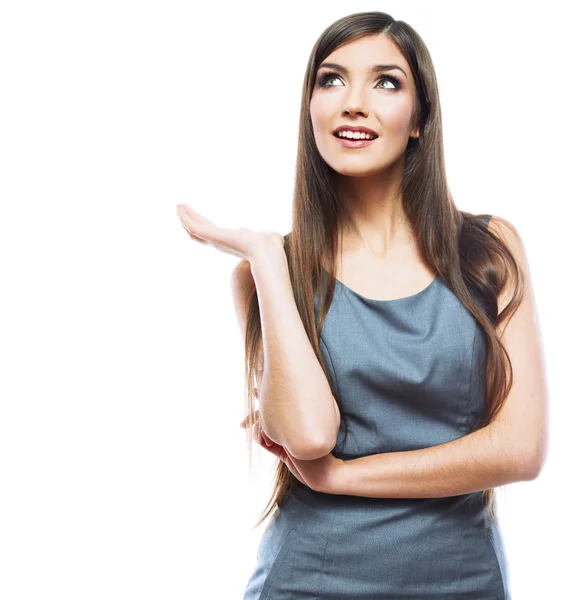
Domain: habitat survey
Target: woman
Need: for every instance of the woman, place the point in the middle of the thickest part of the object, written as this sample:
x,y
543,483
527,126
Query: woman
x,y
401,373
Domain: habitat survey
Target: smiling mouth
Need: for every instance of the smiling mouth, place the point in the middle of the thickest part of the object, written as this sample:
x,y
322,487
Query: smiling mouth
x,y
344,137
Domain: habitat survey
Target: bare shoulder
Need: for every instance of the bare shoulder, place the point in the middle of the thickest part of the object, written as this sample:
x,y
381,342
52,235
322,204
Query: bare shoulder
x,y
508,233
505,229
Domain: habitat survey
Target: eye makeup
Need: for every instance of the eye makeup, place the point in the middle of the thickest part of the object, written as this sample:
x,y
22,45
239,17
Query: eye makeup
x,y
328,75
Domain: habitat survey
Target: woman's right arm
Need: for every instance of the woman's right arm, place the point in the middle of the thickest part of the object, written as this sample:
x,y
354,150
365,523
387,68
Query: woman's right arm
x,y
297,408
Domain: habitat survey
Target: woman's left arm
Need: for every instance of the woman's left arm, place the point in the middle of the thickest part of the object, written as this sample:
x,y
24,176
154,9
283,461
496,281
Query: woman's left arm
x,y
511,448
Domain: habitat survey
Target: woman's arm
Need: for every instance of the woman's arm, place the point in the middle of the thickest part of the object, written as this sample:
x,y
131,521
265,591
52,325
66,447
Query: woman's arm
x,y
477,461
511,448
297,408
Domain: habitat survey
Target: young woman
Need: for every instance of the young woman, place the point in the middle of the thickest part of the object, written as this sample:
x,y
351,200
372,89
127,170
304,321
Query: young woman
x,y
393,341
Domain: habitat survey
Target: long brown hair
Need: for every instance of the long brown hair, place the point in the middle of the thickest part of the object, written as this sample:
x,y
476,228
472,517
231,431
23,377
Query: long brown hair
x,y
474,261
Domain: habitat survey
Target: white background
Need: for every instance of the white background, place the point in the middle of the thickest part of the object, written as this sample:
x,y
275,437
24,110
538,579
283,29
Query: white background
x,y
123,469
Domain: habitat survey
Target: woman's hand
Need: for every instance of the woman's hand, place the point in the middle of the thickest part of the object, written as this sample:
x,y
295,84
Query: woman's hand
x,y
319,474
265,442
241,242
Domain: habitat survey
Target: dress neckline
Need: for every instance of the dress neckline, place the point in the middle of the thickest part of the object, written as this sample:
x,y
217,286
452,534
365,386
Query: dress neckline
x,y
391,300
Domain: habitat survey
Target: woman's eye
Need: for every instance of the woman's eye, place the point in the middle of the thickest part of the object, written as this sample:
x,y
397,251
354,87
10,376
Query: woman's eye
x,y
387,79
324,79
328,77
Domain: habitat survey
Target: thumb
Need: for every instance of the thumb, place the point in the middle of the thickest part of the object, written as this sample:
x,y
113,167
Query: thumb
x,y
246,421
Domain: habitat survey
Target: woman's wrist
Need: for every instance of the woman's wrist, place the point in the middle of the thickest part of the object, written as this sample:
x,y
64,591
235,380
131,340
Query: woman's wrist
x,y
268,253
269,266
337,481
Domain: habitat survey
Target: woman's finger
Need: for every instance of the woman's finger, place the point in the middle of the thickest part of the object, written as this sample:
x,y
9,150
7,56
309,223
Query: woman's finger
x,y
271,446
247,420
241,242
256,432
232,241
193,215
194,222
260,437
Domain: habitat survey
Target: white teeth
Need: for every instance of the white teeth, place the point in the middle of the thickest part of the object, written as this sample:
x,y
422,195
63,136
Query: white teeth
x,y
355,135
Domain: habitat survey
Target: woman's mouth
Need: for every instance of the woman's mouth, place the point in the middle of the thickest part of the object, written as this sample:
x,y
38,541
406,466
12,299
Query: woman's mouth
x,y
352,143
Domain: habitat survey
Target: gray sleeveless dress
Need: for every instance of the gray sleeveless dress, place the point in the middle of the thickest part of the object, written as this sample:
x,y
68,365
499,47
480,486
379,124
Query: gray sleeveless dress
x,y
411,374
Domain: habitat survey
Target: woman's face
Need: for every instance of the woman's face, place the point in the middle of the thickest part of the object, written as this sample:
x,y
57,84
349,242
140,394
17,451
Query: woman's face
x,y
383,101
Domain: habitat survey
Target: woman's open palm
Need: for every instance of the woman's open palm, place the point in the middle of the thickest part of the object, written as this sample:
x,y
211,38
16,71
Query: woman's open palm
x,y
241,242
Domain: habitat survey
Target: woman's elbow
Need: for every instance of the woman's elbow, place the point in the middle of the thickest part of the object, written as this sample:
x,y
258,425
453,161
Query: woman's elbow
x,y
311,450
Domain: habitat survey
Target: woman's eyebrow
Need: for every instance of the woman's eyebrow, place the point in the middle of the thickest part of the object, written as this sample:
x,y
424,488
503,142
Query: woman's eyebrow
x,y
373,69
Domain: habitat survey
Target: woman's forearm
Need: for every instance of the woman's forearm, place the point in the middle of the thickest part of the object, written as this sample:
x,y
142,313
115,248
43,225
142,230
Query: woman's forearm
x,y
297,408
477,461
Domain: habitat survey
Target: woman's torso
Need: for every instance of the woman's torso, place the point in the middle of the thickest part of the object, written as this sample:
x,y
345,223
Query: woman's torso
x,y
410,373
